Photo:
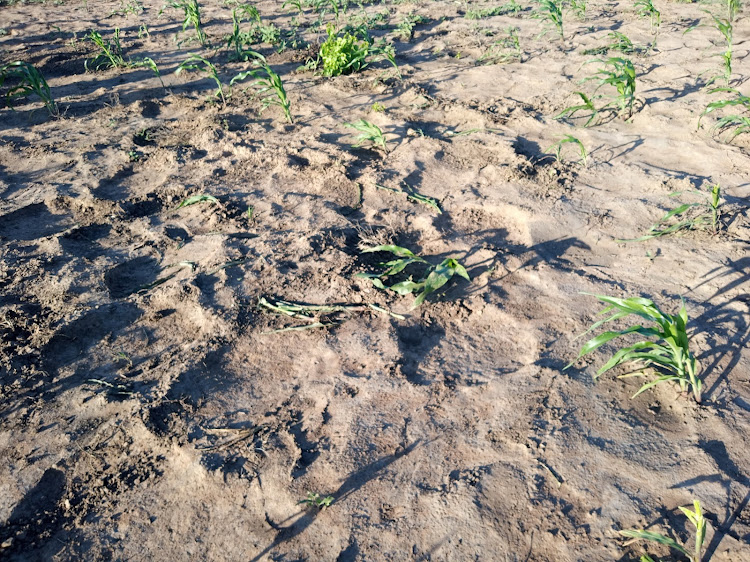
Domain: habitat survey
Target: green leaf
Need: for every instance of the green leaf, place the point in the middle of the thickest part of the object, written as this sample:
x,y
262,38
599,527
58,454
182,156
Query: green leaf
x,y
654,537
197,199
396,250
659,380
378,283
406,287
397,266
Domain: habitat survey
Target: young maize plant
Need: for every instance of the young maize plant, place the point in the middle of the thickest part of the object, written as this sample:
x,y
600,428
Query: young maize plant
x,y
505,50
509,8
646,9
568,139
579,8
110,53
269,87
28,81
413,195
688,216
368,132
618,42
733,8
668,351
197,62
726,29
736,123
620,74
192,13
552,12
695,516
433,276
238,39
587,105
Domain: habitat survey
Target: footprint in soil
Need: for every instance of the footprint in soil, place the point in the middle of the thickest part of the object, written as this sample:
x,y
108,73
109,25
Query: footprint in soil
x,y
112,188
415,343
126,278
309,450
31,222
35,523
73,340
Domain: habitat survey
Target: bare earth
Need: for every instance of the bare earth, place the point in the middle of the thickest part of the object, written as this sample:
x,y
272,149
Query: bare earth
x,y
147,415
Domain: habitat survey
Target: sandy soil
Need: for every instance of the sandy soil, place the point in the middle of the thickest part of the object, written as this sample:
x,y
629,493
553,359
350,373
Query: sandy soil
x,y
147,414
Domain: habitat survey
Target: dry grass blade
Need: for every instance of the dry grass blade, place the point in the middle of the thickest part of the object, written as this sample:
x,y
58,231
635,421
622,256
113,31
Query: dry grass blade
x,y
315,314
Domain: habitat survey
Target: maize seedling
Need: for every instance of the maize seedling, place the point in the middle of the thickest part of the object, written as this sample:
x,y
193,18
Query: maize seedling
x,y
668,350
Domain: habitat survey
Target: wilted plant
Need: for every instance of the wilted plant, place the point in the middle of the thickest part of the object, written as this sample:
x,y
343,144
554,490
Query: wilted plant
x,y
620,42
695,516
738,124
432,278
269,86
551,12
192,13
368,132
668,351
568,139
689,216
646,9
198,63
505,50
29,81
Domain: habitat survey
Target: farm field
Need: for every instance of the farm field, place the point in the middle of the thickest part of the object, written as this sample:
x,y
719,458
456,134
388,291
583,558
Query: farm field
x,y
204,357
